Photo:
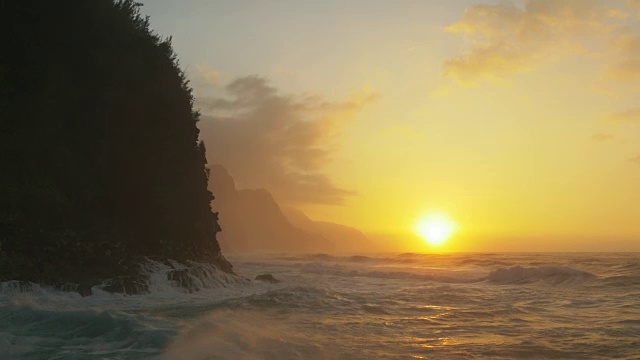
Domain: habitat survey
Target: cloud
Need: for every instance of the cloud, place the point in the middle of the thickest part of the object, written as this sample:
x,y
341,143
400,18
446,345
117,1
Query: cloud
x,y
618,14
507,40
635,160
631,115
627,65
635,4
278,142
602,137
207,74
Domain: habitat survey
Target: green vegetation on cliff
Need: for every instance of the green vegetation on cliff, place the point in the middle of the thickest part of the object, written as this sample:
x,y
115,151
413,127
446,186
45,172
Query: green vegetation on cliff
x,y
100,161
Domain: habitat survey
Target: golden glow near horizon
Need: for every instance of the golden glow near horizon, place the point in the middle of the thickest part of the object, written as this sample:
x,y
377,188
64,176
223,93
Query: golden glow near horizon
x,y
521,118
435,228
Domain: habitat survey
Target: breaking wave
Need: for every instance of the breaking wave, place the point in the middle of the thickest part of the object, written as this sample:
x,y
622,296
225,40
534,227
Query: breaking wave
x,y
437,275
551,274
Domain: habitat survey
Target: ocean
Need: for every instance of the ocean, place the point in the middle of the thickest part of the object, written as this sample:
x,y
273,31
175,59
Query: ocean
x,y
382,306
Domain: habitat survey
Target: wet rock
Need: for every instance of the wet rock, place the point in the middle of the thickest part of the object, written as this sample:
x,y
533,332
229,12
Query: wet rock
x,y
182,279
84,289
267,278
128,285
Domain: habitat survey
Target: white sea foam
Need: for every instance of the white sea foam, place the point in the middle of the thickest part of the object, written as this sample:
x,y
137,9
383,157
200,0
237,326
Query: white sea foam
x,y
201,282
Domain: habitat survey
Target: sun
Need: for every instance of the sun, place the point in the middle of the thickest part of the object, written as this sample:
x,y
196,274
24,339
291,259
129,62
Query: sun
x,y
435,228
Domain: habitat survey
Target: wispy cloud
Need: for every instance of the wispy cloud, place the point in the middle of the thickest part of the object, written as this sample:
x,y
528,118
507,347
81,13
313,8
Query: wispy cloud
x,y
618,14
626,67
208,74
279,142
635,160
631,115
507,39
602,137
635,4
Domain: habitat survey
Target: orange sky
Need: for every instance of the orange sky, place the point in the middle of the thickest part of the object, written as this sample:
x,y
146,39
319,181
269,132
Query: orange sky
x,y
518,119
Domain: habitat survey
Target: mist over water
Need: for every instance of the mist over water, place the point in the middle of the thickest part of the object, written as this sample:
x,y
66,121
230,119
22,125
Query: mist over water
x,y
385,306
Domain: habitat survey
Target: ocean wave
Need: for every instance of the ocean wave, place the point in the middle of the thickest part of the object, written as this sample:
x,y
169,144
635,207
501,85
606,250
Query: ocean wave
x,y
189,277
245,334
551,274
374,309
333,258
33,333
18,287
296,297
437,275
617,281
343,308
360,258
320,256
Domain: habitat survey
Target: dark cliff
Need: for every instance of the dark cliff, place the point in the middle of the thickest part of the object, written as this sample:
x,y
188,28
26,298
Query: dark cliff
x,y
100,160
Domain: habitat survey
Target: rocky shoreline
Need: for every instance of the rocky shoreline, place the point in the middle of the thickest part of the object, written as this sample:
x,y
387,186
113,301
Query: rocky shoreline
x,y
190,277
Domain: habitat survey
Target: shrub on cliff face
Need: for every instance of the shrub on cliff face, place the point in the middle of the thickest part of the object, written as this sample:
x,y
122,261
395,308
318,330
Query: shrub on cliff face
x,y
99,154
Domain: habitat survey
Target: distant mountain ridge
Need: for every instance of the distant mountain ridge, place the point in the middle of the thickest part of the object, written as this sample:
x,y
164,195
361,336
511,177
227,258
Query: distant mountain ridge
x,y
252,221
342,237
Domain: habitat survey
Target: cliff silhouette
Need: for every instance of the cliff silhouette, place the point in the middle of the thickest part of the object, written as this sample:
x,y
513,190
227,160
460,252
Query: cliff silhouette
x,y
100,158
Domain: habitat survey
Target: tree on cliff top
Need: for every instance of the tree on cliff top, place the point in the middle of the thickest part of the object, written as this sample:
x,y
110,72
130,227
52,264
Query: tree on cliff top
x,y
99,152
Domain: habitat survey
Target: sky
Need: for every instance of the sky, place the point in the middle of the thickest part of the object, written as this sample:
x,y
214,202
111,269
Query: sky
x,y
518,120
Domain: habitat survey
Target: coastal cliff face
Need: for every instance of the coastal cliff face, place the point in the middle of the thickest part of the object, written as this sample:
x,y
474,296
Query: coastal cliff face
x,y
100,159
